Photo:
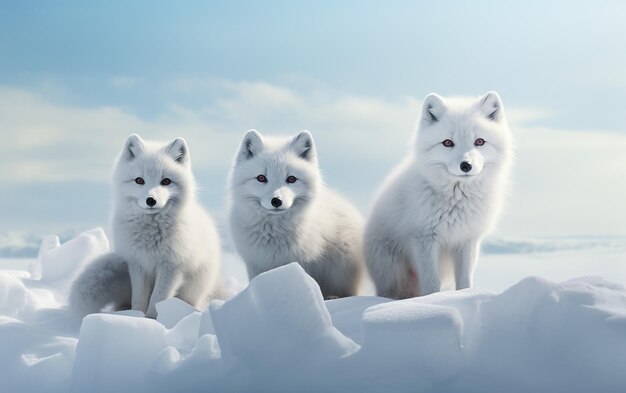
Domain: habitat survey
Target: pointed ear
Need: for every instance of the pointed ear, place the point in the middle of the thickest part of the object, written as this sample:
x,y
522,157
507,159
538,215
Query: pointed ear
x,y
133,147
434,107
302,144
251,145
491,106
179,151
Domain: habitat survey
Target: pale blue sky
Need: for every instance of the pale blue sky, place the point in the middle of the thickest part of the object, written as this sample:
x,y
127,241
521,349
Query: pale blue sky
x,y
77,77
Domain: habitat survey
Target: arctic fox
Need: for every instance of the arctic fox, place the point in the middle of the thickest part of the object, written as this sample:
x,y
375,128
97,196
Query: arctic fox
x,y
434,209
281,212
165,244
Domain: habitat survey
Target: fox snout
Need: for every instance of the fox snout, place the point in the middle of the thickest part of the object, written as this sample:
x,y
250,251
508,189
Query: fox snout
x,y
154,199
466,166
469,164
281,199
152,202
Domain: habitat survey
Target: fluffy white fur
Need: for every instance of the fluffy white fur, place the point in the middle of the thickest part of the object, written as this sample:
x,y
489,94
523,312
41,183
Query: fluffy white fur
x,y
430,216
312,225
165,250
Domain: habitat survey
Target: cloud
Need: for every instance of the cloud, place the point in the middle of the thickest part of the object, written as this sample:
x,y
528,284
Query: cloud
x,y
52,142
565,182
55,142
521,116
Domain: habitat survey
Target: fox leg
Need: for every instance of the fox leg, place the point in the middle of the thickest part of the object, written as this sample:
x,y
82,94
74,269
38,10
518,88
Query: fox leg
x,y
141,288
167,283
425,256
465,258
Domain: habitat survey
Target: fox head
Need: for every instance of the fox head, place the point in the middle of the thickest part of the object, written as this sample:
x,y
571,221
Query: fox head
x,y
275,176
460,137
151,177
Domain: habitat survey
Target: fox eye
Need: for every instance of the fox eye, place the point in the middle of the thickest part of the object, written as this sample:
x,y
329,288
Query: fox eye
x,y
166,182
479,142
291,179
448,143
261,179
140,181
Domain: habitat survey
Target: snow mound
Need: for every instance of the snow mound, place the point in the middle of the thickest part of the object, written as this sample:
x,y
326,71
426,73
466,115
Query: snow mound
x,y
569,336
280,312
63,262
396,331
279,335
114,352
15,299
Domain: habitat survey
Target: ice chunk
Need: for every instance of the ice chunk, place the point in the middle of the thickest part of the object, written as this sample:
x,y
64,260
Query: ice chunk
x,y
278,312
429,334
207,346
115,352
206,324
172,310
510,319
48,243
583,306
345,311
468,303
202,370
279,321
64,262
569,336
166,360
184,335
15,298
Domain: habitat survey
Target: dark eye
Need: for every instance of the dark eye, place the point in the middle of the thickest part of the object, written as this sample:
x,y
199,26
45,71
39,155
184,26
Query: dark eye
x,y
140,181
291,179
479,142
448,143
262,178
166,182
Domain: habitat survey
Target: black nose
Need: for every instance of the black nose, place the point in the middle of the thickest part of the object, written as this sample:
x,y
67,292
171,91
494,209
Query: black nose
x,y
276,202
150,201
466,166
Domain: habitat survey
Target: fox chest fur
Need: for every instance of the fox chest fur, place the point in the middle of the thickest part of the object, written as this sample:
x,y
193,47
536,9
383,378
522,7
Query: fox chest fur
x,y
149,240
272,241
455,212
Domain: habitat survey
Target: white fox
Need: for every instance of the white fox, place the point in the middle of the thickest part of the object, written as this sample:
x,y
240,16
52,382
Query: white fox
x,y
281,212
434,209
165,244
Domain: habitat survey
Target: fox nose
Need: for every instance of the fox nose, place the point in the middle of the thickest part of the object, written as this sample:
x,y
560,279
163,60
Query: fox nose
x,y
150,201
466,166
276,202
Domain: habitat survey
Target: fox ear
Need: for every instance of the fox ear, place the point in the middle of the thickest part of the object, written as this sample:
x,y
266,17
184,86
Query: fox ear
x,y
179,151
251,145
133,147
434,107
491,106
303,145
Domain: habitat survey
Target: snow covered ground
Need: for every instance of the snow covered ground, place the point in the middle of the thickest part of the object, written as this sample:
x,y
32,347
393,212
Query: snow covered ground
x,y
513,332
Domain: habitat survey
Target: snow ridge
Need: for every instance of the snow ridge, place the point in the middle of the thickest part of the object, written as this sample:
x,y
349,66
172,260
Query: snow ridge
x,y
279,335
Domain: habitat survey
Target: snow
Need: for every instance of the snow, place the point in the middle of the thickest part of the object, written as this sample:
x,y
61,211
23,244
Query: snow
x,y
515,331
114,352
63,263
170,311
